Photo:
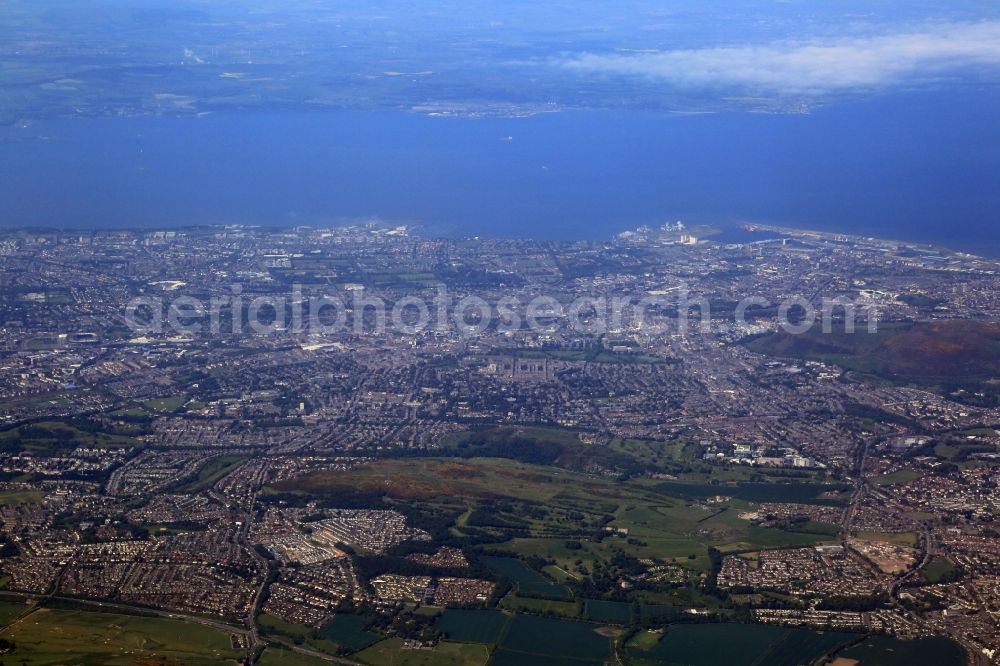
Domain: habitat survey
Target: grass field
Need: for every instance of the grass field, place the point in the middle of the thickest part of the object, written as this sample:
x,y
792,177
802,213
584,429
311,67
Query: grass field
x,y
907,539
472,626
654,452
532,636
166,405
390,652
10,610
612,612
798,493
435,478
505,657
938,569
659,612
569,609
524,578
49,437
21,497
930,353
349,631
886,651
644,641
739,645
552,512
275,626
897,477
275,656
80,637
211,472
272,624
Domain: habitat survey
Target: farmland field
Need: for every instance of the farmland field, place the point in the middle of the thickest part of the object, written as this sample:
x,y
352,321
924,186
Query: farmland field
x,y
532,636
514,603
740,645
659,612
274,656
212,471
472,626
21,497
445,653
897,477
526,579
938,570
799,493
349,631
885,651
10,610
504,657
613,612
907,539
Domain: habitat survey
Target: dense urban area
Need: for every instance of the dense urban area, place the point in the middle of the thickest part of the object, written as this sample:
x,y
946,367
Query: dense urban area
x,y
248,481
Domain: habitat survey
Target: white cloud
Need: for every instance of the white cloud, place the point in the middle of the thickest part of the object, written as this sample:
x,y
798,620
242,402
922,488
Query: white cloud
x,y
813,67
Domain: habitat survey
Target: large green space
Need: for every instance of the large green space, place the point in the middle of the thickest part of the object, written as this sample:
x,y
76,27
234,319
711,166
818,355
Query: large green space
x,y
51,637
886,651
349,631
391,652
946,353
526,579
532,638
739,645
472,625
799,493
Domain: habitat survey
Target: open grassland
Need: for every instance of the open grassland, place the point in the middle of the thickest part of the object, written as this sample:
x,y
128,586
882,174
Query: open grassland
x,y
81,637
391,652
941,353
211,472
644,641
349,631
611,612
897,477
655,453
434,478
735,645
472,625
49,437
274,656
886,651
166,405
9,610
21,497
563,608
939,570
907,539
532,639
524,578
275,627
798,493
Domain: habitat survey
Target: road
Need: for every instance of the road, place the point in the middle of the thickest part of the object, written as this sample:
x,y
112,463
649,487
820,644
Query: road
x,y
864,489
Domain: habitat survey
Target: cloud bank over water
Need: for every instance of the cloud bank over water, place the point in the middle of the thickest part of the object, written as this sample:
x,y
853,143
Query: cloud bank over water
x,y
815,67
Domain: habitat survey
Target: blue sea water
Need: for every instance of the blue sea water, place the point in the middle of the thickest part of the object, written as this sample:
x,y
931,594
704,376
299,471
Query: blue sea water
x,y
920,166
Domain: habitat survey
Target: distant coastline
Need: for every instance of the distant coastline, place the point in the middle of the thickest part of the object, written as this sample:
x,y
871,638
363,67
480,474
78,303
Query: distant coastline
x,y
743,234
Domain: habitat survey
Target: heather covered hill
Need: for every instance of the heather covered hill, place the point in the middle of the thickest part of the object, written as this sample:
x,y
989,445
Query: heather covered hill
x,y
952,349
